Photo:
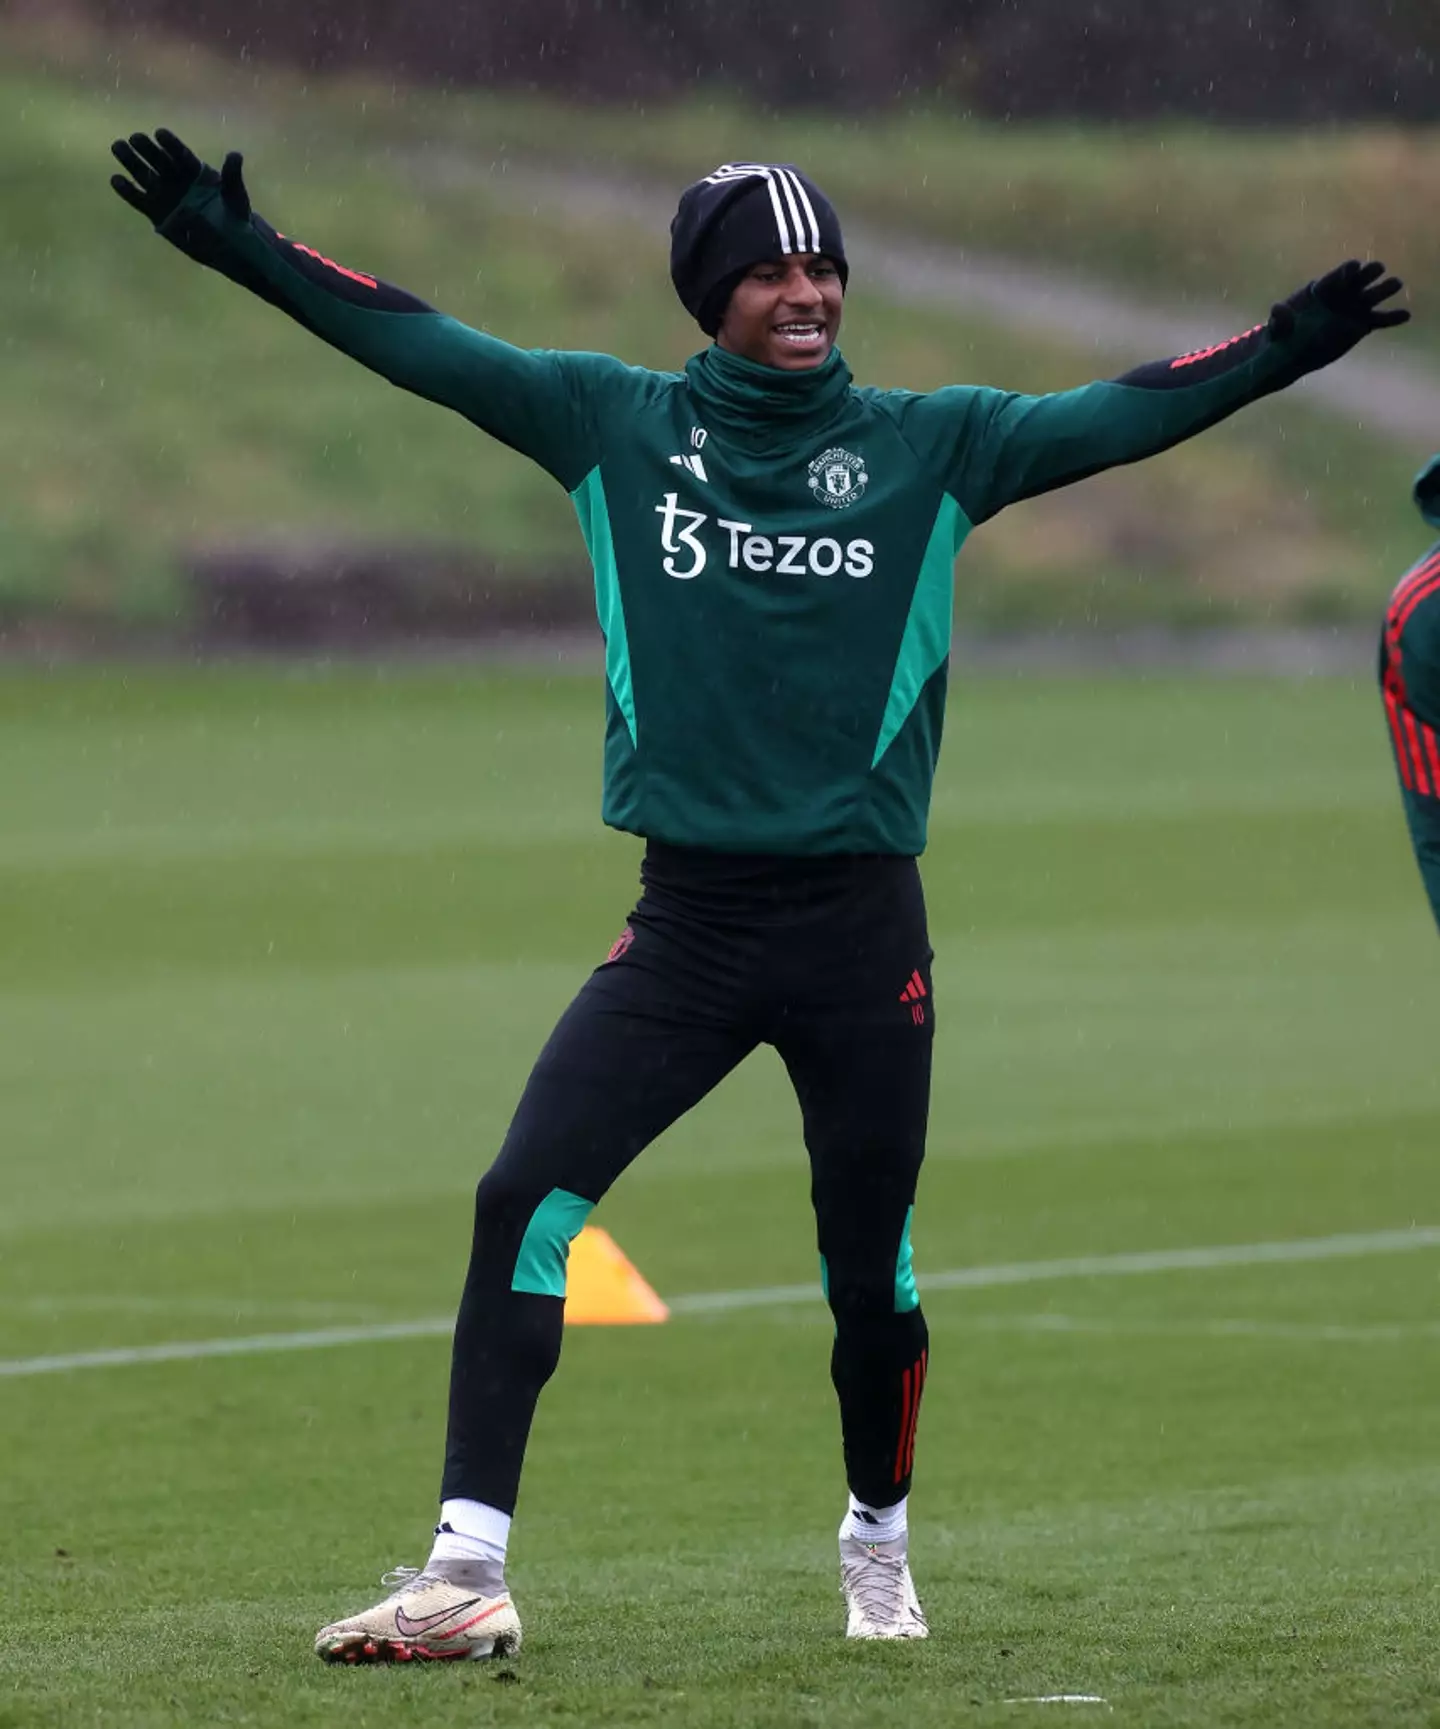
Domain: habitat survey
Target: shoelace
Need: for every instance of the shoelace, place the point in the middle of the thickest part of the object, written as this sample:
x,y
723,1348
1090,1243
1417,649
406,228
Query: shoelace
x,y
399,1577
878,1585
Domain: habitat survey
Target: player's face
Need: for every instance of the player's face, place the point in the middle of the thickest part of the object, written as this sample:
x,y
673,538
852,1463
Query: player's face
x,y
785,312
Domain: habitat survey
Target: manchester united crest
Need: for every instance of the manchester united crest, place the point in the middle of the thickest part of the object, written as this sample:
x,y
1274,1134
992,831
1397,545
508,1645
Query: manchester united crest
x,y
838,478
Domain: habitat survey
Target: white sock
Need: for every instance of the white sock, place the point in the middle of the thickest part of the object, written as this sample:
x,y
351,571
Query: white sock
x,y
864,1524
471,1531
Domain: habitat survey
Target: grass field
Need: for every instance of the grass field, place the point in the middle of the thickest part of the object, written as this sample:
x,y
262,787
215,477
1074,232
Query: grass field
x,y
153,410
278,950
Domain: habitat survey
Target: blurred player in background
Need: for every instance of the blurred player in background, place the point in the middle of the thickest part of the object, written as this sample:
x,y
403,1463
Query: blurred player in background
x,y
774,564
1410,685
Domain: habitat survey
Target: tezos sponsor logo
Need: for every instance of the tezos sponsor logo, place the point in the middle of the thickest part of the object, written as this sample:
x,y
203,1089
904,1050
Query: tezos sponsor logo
x,y
838,477
687,553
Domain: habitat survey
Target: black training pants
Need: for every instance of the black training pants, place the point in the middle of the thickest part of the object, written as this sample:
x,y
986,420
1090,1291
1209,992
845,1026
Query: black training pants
x,y
828,960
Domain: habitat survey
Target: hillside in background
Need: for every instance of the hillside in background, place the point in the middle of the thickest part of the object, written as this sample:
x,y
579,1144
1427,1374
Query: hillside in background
x,y
1267,61
1178,212
155,412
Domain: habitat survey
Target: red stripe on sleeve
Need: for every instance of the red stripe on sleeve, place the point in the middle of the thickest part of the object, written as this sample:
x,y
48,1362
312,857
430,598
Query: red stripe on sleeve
x,y
1215,348
1422,779
1397,736
1432,746
330,264
1414,590
1427,566
1410,594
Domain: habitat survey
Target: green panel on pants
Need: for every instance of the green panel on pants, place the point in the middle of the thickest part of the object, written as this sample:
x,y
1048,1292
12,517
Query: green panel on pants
x,y
545,1247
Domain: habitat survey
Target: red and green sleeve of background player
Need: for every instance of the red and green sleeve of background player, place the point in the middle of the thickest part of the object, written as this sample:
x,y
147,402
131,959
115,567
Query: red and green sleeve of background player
x,y
1410,685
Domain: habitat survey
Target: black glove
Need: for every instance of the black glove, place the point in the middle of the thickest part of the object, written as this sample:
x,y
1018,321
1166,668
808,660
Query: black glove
x,y
1350,296
163,170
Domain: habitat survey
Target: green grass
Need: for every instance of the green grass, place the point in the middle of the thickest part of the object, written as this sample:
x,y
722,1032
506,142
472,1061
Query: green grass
x,y
152,410
278,951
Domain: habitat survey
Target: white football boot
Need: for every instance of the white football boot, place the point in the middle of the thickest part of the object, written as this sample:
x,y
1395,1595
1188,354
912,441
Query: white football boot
x,y
879,1593
446,1612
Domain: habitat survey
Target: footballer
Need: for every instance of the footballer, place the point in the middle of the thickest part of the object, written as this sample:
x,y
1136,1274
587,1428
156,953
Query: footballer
x,y
774,550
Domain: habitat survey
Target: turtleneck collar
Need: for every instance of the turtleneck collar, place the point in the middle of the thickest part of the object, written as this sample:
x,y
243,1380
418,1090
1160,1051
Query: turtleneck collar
x,y
763,407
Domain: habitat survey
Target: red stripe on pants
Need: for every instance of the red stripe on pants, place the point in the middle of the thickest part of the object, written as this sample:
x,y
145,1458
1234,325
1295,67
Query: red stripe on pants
x,y
921,1370
904,1425
913,1384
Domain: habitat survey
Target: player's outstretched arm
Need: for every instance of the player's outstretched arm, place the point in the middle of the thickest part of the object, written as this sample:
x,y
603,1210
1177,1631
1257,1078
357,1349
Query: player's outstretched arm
x,y
1007,447
532,400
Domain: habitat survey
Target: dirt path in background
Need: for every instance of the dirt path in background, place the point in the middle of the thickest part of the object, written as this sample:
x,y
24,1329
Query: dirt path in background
x,y
1392,397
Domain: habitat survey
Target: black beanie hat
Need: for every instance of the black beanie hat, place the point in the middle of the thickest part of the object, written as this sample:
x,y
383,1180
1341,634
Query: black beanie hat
x,y
735,218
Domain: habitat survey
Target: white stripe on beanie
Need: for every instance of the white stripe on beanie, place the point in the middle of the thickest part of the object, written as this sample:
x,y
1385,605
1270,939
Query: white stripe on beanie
x,y
779,209
804,198
785,181
801,210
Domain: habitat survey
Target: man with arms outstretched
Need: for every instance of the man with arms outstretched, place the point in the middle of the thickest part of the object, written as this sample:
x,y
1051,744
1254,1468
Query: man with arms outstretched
x,y
774,555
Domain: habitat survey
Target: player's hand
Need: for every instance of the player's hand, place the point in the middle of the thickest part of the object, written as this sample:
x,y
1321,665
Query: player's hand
x,y
1353,296
163,169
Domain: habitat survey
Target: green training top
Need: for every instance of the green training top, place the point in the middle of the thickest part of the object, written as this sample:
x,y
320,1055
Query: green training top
x,y
773,551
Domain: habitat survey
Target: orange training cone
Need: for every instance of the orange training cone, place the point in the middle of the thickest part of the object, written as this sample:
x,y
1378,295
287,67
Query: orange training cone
x,y
603,1289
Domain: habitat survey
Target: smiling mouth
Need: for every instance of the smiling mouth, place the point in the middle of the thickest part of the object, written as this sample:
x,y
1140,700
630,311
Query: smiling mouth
x,y
801,333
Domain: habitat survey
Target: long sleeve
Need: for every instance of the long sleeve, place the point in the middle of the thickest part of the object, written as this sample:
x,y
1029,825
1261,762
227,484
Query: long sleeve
x,y
539,402
992,448
1410,686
